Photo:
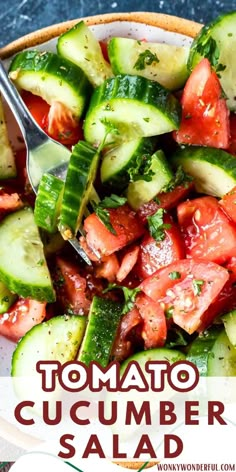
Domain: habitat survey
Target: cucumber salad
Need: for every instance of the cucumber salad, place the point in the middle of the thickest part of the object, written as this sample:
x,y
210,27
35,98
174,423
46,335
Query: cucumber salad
x,y
150,193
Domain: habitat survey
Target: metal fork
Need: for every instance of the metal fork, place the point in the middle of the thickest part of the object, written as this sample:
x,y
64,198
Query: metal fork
x,y
43,153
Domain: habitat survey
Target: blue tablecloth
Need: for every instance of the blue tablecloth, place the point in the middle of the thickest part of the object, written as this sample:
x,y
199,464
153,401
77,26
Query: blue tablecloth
x,y
19,17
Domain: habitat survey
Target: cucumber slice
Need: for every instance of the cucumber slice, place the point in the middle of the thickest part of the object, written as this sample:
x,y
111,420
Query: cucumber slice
x,y
131,107
222,359
79,180
103,320
165,63
80,46
229,321
117,161
157,354
200,350
217,42
52,78
23,267
141,191
213,170
7,298
48,202
7,162
57,339
52,243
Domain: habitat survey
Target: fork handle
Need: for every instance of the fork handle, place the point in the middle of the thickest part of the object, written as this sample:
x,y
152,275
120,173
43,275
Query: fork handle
x,y
13,98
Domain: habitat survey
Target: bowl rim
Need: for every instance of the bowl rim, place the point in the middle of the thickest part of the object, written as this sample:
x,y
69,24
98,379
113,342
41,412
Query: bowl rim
x,y
167,22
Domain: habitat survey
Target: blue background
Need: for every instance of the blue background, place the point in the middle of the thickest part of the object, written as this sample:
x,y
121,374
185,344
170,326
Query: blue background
x,y
19,17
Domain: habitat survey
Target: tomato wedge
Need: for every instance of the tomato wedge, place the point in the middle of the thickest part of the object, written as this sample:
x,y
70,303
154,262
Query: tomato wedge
x,y
207,232
205,117
22,316
153,254
186,289
226,300
228,203
108,268
154,328
127,263
56,120
232,144
124,221
71,288
165,200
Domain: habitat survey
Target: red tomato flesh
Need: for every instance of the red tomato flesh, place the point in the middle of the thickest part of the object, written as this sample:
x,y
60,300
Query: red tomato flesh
x,y
167,200
108,268
154,329
205,117
21,317
126,224
228,203
188,304
56,120
156,254
207,232
72,291
232,144
127,263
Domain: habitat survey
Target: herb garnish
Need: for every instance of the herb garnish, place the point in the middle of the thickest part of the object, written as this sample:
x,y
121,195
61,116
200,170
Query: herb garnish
x,y
209,49
174,275
169,312
180,178
142,169
145,58
114,201
130,295
110,128
197,286
157,226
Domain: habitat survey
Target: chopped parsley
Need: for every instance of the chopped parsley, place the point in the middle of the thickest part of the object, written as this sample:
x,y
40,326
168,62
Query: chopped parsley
x,y
110,128
197,286
142,168
180,178
114,201
157,226
130,295
169,312
209,49
177,337
145,58
174,275
103,216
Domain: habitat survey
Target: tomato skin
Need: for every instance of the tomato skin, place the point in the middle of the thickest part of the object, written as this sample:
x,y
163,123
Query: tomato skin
x,y
179,294
127,263
232,145
225,301
38,108
156,254
103,45
21,317
167,200
56,120
108,268
228,203
205,117
123,347
62,126
124,221
208,233
154,328
72,290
